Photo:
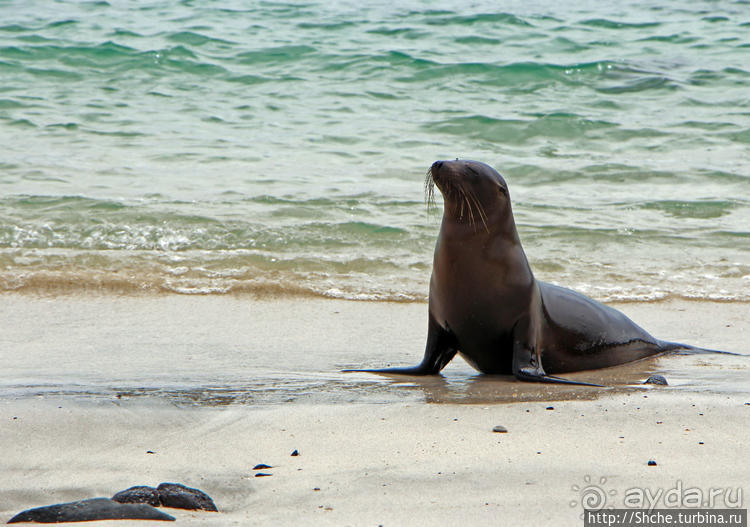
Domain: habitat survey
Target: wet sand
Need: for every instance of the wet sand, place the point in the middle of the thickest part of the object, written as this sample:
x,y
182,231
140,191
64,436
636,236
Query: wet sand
x,y
91,384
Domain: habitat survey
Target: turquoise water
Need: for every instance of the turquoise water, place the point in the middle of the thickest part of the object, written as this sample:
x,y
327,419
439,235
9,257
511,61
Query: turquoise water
x,y
280,148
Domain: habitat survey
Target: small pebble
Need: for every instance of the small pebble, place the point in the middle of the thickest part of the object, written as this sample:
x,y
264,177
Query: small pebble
x,y
500,429
150,452
295,453
316,489
651,463
262,474
700,442
261,466
656,379
550,408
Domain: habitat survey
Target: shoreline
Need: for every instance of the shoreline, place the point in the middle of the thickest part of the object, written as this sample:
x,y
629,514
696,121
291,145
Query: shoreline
x,y
107,286
218,349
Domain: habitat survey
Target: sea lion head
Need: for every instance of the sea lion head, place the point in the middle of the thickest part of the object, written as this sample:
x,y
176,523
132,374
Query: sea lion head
x,y
474,194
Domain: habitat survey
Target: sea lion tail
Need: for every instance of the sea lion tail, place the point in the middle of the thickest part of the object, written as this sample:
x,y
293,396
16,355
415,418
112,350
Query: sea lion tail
x,y
687,349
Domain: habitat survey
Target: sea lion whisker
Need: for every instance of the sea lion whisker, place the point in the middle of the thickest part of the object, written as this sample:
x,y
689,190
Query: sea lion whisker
x,y
471,211
475,201
465,200
429,189
480,209
483,215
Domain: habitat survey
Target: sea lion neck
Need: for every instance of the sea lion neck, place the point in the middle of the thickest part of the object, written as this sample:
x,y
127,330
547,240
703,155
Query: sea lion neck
x,y
467,233
497,224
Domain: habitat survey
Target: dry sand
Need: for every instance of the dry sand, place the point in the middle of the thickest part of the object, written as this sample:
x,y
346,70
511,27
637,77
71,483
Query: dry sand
x,y
408,462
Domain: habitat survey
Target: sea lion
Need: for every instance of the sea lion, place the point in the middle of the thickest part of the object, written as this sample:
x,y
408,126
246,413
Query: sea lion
x,y
485,303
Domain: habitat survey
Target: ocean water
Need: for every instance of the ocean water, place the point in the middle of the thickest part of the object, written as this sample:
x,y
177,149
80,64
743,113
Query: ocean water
x,y
280,148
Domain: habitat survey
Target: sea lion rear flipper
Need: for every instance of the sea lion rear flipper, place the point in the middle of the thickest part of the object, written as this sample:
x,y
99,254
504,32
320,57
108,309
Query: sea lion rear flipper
x,y
687,349
441,347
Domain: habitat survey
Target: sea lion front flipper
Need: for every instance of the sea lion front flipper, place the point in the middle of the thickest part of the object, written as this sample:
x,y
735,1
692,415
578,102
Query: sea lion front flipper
x,y
531,374
441,347
533,377
527,360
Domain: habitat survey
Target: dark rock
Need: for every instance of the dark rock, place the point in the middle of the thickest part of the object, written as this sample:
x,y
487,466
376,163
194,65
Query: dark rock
x,y
550,408
651,463
656,379
181,497
261,466
262,474
139,494
500,429
91,510
295,453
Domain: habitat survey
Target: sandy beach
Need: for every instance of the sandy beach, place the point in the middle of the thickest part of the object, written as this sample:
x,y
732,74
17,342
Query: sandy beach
x,y
372,451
